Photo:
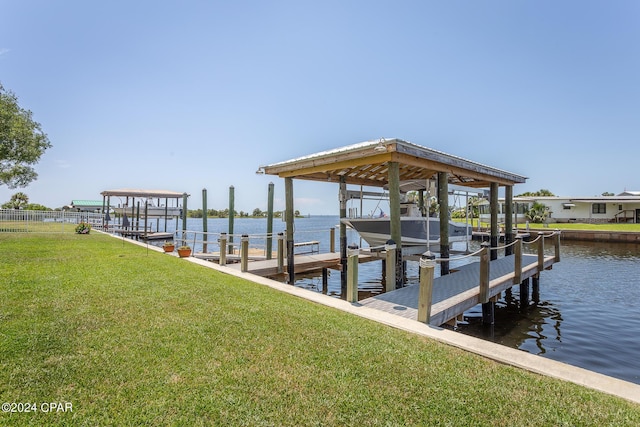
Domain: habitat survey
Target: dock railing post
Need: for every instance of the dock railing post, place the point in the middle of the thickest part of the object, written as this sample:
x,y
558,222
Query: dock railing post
x,y
280,252
425,293
223,249
517,270
352,275
244,253
484,274
557,246
390,265
540,251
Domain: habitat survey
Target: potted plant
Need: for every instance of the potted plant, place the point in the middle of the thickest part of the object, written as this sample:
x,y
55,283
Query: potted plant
x,y
83,228
168,246
184,251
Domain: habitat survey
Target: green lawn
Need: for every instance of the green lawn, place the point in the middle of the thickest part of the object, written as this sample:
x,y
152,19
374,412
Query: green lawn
x,y
131,337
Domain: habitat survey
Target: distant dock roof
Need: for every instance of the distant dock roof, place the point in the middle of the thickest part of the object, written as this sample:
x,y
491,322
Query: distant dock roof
x,y
130,192
366,163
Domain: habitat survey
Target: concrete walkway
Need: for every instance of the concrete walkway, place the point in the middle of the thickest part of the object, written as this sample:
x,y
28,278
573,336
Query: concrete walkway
x,y
497,352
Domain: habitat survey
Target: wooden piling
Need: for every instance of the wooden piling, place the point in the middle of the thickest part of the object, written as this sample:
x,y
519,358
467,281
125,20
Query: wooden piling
x,y
223,249
343,235
517,271
231,216
325,281
540,251
556,241
270,220
280,252
524,293
352,276
332,240
508,219
244,253
443,200
425,293
535,288
390,265
495,233
184,219
288,196
204,220
484,274
394,218
488,313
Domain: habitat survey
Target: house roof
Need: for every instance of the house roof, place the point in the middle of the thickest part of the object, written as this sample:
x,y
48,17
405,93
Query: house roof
x,y
86,203
367,163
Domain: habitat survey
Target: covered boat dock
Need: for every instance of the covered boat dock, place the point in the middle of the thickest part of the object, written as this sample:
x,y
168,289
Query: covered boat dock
x,y
388,163
153,203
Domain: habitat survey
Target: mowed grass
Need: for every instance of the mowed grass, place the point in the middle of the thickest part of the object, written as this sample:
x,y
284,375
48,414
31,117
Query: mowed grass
x,y
136,337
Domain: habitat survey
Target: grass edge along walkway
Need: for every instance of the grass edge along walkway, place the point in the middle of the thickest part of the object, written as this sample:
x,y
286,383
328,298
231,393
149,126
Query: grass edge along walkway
x,y
493,351
135,338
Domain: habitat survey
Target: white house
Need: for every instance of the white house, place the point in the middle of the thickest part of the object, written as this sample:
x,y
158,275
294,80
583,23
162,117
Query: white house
x,y
625,207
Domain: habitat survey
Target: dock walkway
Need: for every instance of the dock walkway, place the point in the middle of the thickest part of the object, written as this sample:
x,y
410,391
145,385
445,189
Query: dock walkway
x,y
456,292
303,263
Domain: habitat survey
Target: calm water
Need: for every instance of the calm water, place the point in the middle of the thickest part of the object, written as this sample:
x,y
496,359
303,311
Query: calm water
x,y
587,314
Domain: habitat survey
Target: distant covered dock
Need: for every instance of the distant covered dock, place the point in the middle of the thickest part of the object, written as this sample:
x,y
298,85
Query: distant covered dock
x,y
146,204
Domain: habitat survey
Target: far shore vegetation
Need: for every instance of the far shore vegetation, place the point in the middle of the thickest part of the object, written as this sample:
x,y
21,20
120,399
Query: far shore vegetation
x,y
131,336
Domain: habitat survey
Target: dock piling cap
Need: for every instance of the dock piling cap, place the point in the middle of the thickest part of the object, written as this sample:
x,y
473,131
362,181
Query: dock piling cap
x,y
427,260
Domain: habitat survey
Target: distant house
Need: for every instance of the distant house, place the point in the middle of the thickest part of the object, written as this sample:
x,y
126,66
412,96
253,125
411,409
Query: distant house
x,y
84,206
625,207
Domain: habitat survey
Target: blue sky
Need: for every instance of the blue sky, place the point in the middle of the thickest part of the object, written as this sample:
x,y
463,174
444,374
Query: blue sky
x,y
197,94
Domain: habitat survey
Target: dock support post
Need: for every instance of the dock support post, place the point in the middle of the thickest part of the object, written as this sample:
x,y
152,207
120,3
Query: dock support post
x,y
288,195
342,197
488,313
524,293
493,196
270,221
395,224
352,276
443,200
332,240
484,274
325,281
540,251
280,252
517,270
204,221
508,219
223,249
535,288
556,241
425,293
244,253
184,219
390,265
483,296
231,216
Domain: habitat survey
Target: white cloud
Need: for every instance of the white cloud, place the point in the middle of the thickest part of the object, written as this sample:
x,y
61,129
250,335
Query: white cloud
x,y
3,50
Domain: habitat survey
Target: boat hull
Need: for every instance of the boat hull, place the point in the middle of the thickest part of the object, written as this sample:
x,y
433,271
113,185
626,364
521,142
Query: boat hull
x,y
377,231
152,211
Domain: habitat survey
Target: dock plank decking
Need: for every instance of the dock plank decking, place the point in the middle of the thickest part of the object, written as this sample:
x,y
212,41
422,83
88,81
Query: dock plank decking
x,y
456,292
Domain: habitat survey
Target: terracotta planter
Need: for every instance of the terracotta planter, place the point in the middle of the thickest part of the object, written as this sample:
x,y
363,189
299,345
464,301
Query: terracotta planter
x,y
169,248
183,253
